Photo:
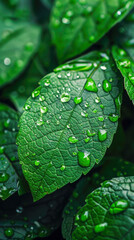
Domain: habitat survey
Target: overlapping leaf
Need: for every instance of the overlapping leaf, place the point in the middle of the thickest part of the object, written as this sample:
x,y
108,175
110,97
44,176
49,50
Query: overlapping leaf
x,y
69,122
113,167
11,177
108,212
76,25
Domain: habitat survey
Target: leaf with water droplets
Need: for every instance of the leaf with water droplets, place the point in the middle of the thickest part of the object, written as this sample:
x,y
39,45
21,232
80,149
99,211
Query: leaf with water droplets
x,y
16,48
54,144
22,219
11,177
77,25
108,209
113,167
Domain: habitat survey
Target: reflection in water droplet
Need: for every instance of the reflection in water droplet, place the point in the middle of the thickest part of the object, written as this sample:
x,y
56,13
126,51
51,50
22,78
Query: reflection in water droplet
x,y
83,159
65,97
100,227
102,135
118,206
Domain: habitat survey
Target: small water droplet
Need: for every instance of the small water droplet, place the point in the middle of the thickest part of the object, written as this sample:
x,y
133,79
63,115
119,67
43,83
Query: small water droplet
x,y
65,97
103,68
7,61
2,149
19,209
102,135
74,153
87,140
40,122
83,159
84,114
101,118
29,46
41,98
101,106
9,232
78,100
65,20
90,134
92,38
47,82
100,227
90,85
19,63
73,139
118,206
86,105
113,117
7,123
107,87
62,168
84,216
36,92
4,177
68,126
97,99
37,163
43,109
27,106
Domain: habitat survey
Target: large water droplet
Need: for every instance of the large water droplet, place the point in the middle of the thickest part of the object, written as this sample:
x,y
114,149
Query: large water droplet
x,y
4,177
65,97
90,85
118,206
83,159
102,135
84,216
78,100
9,232
107,87
73,139
113,117
100,227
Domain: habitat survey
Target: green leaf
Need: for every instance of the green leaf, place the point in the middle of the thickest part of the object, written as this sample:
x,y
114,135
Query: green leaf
x,y
108,212
18,43
113,167
11,177
77,25
22,219
65,139
123,54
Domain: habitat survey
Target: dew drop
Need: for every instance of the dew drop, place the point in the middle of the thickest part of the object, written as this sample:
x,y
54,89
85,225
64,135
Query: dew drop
x,y
102,135
9,232
62,168
118,206
90,85
124,63
40,122
91,38
73,139
100,227
84,216
65,20
113,117
87,140
7,61
7,123
36,92
97,99
47,82
83,159
29,46
107,87
2,149
101,106
65,97
37,163
78,100
27,106
41,98
19,63
84,114
43,109
4,177
90,134
101,118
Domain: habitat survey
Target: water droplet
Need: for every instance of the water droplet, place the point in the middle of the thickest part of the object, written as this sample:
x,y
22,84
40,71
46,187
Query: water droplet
x,y
87,10
101,118
65,20
92,38
29,46
83,159
7,123
103,68
87,140
121,52
97,99
90,134
84,114
7,61
36,92
68,126
118,101
27,106
43,109
90,85
37,163
100,227
74,153
118,206
107,87
113,117
8,232
41,98
19,209
95,111
124,63
73,139
62,168
40,122
4,177
2,149
84,216
101,106
65,97
19,63
102,135
78,100
104,57
86,105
